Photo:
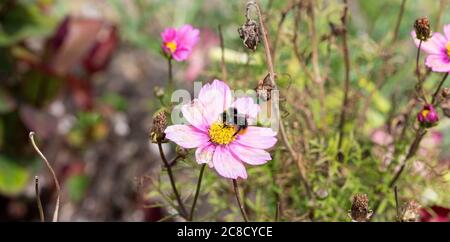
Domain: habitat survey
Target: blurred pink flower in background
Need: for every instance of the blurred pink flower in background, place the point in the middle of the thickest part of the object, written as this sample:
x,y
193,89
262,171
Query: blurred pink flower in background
x,y
438,50
199,59
435,214
380,136
219,144
178,44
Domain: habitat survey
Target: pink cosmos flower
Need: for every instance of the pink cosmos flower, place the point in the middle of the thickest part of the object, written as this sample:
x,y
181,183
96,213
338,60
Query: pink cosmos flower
x,y
178,44
438,50
428,116
219,144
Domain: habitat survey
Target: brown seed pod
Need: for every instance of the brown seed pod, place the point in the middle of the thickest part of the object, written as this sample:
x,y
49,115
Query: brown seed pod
x,y
264,88
159,125
360,211
410,212
422,28
250,34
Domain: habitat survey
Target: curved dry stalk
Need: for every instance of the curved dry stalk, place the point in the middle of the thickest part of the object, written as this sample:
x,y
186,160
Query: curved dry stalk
x,y
38,199
55,179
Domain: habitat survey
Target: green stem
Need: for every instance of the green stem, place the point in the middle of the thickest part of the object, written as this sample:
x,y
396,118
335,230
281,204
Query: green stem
x,y
172,181
241,206
197,191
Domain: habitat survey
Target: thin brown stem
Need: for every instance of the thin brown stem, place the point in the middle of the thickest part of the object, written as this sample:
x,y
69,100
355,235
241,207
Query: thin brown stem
x,y
197,192
434,98
170,76
38,199
396,202
277,212
222,48
271,73
172,181
55,179
241,206
399,21
346,78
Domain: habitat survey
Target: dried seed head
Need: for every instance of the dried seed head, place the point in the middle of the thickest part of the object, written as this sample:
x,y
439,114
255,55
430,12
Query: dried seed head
x,y
445,93
182,152
445,106
159,125
158,91
250,34
264,88
410,212
422,28
360,211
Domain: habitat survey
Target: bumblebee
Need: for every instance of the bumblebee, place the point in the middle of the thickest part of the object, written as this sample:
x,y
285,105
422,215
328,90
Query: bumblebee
x,y
233,118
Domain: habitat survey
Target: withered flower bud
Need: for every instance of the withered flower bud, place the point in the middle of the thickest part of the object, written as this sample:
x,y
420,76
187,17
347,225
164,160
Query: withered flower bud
x,y
422,28
445,92
182,152
264,88
250,34
159,125
158,91
360,211
410,212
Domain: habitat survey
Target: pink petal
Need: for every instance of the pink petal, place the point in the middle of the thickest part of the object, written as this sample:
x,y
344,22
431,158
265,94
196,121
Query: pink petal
x,y
168,35
438,63
181,53
257,137
447,31
227,165
186,136
204,154
245,105
188,36
194,114
249,155
431,46
216,97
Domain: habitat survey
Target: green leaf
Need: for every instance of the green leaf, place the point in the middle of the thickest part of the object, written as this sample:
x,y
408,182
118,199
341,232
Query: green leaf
x,y
77,186
13,178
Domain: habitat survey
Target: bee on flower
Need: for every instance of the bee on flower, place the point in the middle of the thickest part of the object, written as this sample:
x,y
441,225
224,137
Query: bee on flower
x,y
223,131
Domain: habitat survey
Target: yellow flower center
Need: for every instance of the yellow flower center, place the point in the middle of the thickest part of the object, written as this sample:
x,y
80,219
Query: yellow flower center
x,y
448,48
221,134
172,46
425,112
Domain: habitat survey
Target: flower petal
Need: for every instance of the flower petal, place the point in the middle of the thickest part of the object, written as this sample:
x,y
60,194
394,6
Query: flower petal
x,y
435,45
216,97
194,114
250,155
438,63
447,31
227,165
168,35
181,53
204,154
257,137
245,105
188,36
186,136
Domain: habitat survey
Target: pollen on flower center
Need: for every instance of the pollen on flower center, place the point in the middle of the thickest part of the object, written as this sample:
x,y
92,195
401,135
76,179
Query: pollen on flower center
x,y
172,46
425,112
221,134
448,48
